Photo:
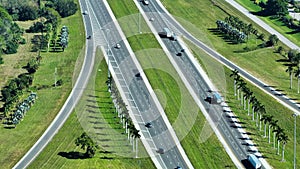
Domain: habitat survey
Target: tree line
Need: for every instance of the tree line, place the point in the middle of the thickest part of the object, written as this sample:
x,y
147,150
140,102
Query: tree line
x,y
249,101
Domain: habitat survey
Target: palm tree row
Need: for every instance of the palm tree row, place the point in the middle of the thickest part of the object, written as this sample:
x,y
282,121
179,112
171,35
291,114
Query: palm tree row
x,y
125,120
245,95
294,67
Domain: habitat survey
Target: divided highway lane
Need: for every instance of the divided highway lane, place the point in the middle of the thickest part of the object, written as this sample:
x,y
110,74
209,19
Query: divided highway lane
x,y
121,61
67,107
289,103
224,123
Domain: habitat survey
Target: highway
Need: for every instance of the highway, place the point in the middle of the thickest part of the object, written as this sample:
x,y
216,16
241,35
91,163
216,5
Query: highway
x,y
134,85
224,122
289,103
67,107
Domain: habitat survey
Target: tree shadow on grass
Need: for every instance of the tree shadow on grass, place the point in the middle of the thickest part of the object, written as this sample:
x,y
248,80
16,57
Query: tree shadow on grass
x,y
73,155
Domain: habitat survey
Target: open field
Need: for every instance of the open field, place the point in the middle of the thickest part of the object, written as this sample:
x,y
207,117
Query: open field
x,y
174,97
101,124
272,108
261,62
16,142
274,23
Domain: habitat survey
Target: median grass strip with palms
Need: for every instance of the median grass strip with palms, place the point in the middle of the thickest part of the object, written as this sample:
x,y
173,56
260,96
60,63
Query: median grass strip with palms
x,y
280,113
94,114
261,62
181,110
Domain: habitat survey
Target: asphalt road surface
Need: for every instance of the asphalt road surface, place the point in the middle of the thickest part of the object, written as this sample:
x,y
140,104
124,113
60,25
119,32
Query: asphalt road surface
x,y
223,121
136,91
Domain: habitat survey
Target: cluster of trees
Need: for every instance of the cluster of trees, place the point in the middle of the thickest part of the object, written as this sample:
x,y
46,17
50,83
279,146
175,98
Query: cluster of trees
x,y
24,10
22,108
231,32
241,26
14,89
86,143
125,120
294,67
10,34
64,37
245,95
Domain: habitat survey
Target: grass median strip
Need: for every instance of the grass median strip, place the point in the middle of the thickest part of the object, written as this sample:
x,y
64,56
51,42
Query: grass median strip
x,y
94,115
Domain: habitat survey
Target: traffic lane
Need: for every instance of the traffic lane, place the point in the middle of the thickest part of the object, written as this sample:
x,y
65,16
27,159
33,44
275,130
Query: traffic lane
x,y
102,13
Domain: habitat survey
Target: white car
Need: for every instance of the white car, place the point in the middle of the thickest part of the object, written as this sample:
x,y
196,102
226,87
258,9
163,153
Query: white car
x,y
118,46
146,2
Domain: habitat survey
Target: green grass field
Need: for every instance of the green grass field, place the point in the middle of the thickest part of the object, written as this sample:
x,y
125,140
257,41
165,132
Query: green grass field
x,y
95,115
16,142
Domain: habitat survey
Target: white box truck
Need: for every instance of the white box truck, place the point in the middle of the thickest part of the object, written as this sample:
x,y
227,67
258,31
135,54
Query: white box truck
x,y
254,161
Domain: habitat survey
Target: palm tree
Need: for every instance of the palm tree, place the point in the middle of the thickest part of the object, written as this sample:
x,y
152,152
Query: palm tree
x,y
274,126
250,99
266,118
297,75
279,133
261,111
241,85
248,94
284,140
270,119
234,74
136,135
254,103
290,69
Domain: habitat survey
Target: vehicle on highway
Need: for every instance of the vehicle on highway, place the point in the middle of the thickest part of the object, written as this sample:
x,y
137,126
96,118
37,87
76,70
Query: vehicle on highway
x,y
160,151
178,167
146,2
254,161
118,46
168,33
85,12
215,98
89,37
148,125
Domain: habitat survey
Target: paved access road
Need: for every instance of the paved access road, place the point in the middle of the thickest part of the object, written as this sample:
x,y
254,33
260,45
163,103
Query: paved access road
x,y
68,106
261,23
133,84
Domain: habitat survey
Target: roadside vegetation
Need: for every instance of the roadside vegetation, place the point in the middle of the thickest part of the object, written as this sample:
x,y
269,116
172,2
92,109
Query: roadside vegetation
x,y
179,106
35,71
275,13
101,123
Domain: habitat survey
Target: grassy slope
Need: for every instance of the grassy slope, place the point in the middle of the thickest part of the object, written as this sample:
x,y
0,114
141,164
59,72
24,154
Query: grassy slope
x,y
262,63
64,140
176,99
